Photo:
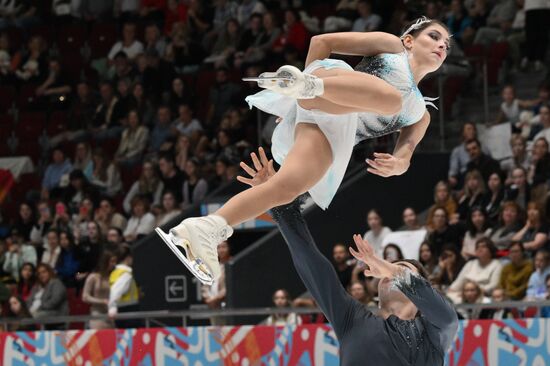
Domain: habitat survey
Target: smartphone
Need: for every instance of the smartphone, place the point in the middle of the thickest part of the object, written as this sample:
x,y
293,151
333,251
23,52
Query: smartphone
x,y
60,209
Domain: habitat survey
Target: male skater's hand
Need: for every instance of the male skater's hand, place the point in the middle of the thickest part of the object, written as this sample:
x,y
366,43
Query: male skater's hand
x,y
378,267
263,169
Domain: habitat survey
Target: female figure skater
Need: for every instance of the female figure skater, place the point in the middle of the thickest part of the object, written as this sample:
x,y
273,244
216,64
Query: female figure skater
x,y
415,324
324,111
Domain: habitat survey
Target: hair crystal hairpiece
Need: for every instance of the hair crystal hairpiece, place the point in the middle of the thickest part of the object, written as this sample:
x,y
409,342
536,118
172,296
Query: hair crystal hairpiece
x,y
422,20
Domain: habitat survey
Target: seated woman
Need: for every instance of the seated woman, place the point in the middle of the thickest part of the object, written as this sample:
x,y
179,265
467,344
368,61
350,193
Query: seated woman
x,y
133,141
195,187
493,198
49,297
474,191
17,308
534,235
471,294
170,209
148,184
142,222
449,265
281,299
509,224
104,174
67,264
444,199
477,227
96,290
427,258
515,275
485,270
27,279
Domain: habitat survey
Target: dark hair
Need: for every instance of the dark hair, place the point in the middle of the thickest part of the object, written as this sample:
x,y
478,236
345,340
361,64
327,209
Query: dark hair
x,y
490,245
400,256
423,26
475,141
285,291
48,268
470,227
32,279
419,267
102,267
123,252
517,244
25,313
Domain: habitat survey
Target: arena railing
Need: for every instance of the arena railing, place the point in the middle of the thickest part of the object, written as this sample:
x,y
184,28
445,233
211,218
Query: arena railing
x,y
150,318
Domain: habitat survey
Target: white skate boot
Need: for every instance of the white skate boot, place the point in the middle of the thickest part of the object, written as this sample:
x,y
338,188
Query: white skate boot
x,y
290,81
195,242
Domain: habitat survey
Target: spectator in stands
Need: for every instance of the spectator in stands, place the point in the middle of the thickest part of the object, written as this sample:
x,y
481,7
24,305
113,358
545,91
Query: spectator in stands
x,y
53,92
519,191
441,233
148,184
129,44
176,14
477,227
83,216
223,11
68,262
480,161
485,270
124,293
247,8
494,197
104,174
6,68
184,52
33,65
89,250
344,15
534,235
198,19
474,192
225,45
107,116
55,170
377,231
510,107
544,114
107,217
25,221
142,104
392,253
125,98
182,151
21,14
247,49
294,34
133,141
515,275
442,199
499,23
186,124
162,130
142,222
170,176
178,95
281,299
537,14
359,292
61,220
121,69
539,171
96,290
367,21
427,258
536,288
214,296
49,297
82,157
545,311
18,309
195,187
222,97
519,159
154,40
169,209
18,253
509,224
114,239
27,279
458,20
471,294
93,10
51,248
43,223
342,264
497,296
126,10
152,11
450,263
410,220
459,156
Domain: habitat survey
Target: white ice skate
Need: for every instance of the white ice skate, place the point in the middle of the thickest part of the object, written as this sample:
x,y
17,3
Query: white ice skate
x,y
290,81
195,244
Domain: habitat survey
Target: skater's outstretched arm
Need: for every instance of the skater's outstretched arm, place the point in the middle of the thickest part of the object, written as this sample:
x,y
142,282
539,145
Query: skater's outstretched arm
x,y
352,43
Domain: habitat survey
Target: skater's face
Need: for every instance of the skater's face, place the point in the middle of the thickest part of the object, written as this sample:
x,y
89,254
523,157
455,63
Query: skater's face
x,y
429,47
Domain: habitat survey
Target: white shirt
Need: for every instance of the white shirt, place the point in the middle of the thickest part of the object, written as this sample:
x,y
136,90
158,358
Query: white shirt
x,y
536,5
188,130
131,51
486,277
376,240
140,225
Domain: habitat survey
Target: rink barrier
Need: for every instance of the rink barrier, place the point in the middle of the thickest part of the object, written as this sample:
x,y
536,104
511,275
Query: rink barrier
x,y
479,342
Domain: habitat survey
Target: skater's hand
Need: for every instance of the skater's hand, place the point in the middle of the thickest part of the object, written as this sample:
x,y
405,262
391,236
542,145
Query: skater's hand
x,y
386,165
263,169
378,267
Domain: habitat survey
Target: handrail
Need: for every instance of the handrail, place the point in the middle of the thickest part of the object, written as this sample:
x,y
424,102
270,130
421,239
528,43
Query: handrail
x,y
183,314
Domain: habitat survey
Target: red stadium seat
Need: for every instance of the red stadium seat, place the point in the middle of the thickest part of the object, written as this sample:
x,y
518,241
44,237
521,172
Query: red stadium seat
x,y
15,36
321,11
102,38
73,65
76,307
30,125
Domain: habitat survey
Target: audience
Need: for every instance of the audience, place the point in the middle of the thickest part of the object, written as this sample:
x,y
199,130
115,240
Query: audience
x,y
18,309
515,275
281,299
536,288
341,262
49,296
123,292
471,294
377,231
534,235
96,290
141,223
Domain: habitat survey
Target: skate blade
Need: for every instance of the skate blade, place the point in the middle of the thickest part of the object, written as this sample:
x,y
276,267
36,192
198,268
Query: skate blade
x,y
195,266
272,79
